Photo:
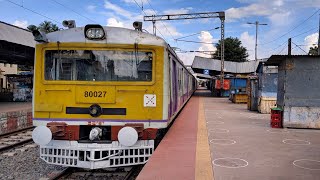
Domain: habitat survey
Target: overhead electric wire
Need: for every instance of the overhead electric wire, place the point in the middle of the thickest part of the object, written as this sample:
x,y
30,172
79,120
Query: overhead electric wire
x,y
73,11
274,49
194,34
305,32
33,11
203,52
299,47
292,28
282,49
146,15
160,21
196,42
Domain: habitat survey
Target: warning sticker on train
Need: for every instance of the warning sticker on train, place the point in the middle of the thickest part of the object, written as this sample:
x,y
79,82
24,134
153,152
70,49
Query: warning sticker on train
x,y
149,100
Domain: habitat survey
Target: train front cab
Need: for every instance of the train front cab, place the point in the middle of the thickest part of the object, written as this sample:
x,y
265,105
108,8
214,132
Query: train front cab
x,y
86,112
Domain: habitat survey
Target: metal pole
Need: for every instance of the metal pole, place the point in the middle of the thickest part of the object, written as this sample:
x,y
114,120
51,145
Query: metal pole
x,y
256,45
256,48
222,52
154,28
289,46
319,37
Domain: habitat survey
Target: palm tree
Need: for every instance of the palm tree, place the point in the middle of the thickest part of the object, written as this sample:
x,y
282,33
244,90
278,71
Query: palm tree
x,y
48,26
45,26
313,50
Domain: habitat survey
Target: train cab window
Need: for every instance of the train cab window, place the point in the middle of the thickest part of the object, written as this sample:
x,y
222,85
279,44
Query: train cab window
x,y
104,65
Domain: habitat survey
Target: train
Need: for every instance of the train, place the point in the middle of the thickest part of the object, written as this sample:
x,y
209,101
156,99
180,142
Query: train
x,y
102,95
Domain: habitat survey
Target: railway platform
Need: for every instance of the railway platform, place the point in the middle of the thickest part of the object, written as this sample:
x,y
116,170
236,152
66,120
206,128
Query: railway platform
x,y
213,138
15,116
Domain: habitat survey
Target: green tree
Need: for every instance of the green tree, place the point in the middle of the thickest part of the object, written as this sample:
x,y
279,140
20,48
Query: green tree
x,y
313,50
45,26
233,50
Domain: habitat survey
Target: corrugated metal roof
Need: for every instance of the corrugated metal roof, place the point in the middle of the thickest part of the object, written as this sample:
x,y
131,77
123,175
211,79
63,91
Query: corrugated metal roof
x,y
231,67
190,70
276,59
16,35
203,76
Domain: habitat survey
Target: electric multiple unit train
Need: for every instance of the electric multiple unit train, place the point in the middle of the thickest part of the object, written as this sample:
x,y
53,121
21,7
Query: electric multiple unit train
x,y
102,94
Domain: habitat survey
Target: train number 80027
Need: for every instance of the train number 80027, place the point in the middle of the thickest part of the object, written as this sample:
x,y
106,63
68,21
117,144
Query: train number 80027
x,y
95,93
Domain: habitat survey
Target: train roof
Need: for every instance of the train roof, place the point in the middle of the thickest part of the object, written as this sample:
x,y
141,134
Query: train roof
x,y
114,35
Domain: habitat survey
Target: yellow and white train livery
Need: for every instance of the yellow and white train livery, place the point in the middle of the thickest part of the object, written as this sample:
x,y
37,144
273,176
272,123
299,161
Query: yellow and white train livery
x,y
102,94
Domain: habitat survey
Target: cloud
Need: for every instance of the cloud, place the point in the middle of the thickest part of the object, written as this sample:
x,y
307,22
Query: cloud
x,y
274,2
310,40
206,37
132,1
150,12
118,10
277,11
247,11
278,3
22,23
165,29
249,43
91,8
178,11
280,19
114,22
304,3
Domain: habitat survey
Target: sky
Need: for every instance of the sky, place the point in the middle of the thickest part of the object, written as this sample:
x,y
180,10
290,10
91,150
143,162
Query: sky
x,y
298,19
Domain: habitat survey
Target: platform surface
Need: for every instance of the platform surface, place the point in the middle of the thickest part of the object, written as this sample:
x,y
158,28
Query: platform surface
x,y
14,106
213,138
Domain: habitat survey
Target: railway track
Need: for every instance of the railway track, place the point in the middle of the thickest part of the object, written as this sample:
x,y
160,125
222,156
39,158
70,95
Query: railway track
x,y
127,173
16,138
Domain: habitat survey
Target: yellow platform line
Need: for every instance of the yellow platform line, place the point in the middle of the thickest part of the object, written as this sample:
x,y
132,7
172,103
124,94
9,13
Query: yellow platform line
x,y
203,157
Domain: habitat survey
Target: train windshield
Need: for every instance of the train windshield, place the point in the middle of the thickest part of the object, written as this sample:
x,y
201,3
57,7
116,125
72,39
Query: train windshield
x,y
102,65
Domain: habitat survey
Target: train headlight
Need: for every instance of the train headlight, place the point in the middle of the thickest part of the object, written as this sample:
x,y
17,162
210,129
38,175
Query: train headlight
x,y
95,110
128,136
41,135
94,32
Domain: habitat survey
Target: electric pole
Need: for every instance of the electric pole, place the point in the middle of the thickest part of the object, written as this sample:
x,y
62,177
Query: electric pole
x,y
319,37
256,46
220,15
289,47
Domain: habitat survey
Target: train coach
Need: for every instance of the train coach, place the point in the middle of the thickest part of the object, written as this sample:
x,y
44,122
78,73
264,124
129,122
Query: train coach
x,y
103,94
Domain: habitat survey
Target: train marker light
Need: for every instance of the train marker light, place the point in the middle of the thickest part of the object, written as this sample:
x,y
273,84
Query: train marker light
x,y
41,135
94,32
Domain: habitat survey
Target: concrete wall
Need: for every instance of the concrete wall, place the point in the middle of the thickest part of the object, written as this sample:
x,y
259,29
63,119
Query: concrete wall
x,y
281,80
299,92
